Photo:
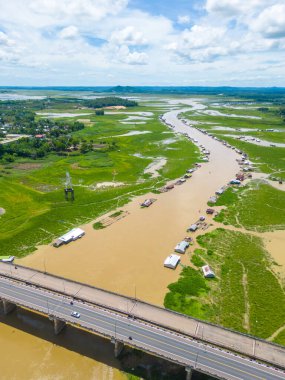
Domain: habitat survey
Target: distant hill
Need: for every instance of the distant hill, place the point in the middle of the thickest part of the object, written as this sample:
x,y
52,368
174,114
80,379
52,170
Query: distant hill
x,y
276,94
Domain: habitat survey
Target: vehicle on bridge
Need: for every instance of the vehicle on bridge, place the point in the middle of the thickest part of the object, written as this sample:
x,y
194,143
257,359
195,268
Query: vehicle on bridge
x,y
75,314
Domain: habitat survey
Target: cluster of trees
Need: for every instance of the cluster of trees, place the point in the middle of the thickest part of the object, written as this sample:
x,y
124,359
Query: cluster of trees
x,y
22,121
109,101
47,135
31,147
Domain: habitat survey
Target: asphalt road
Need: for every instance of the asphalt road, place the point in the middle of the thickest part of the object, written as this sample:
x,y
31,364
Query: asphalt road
x,y
145,336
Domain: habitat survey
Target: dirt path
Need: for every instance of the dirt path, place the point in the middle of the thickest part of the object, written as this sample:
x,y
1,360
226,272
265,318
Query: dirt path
x,y
276,333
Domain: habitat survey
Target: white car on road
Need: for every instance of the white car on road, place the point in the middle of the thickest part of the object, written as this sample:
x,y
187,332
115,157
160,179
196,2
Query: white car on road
x,y
75,314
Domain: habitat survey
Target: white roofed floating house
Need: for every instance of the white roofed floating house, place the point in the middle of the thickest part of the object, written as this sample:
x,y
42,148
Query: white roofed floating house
x,y
171,261
182,246
7,259
208,272
193,228
72,235
147,202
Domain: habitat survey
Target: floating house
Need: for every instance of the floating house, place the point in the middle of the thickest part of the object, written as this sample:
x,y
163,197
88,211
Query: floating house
x,y
193,228
147,203
235,182
180,181
171,261
181,247
7,259
210,211
213,199
74,234
220,191
207,272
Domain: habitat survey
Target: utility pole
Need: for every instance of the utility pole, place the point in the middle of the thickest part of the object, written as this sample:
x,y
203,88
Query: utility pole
x,y
68,187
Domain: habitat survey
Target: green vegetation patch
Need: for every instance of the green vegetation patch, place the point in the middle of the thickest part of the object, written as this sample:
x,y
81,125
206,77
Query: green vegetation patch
x,y
257,206
248,296
183,295
116,214
280,338
197,260
98,226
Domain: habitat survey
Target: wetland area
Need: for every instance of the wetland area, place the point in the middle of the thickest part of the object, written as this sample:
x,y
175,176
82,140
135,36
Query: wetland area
x,y
117,160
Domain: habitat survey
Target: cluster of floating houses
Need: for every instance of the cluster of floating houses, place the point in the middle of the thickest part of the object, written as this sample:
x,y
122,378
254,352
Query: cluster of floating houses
x,y
72,235
173,260
182,180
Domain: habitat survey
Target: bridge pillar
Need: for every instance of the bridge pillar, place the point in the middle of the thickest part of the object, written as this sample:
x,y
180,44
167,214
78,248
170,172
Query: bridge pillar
x,y
58,325
189,372
8,307
119,346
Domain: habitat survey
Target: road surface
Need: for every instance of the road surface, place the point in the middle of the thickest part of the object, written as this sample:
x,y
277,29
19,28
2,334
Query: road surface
x,y
159,341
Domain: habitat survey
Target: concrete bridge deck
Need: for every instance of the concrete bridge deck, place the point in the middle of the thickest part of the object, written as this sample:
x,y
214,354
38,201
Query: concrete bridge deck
x,y
153,329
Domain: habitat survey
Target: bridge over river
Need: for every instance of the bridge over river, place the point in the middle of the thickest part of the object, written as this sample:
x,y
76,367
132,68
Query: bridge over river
x,y
189,342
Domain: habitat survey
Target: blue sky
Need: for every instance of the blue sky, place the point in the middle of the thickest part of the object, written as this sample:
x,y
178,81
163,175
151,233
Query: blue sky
x,y
142,42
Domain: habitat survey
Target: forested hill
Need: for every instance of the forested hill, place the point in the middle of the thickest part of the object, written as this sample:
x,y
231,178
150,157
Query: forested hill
x,y
108,102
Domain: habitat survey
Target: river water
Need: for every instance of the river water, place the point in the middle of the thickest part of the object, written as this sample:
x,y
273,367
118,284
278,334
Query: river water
x,y
126,257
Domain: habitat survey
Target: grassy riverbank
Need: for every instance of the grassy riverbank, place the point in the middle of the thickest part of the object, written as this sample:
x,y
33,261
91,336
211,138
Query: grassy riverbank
x,y
257,207
246,295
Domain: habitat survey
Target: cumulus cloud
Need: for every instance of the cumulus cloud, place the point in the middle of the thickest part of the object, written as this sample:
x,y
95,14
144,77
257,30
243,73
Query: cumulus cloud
x,y
69,32
200,36
61,38
200,43
271,22
128,36
124,55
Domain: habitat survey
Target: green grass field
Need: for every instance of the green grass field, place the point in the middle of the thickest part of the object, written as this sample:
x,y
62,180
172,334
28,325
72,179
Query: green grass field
x,y
246,295
32,191
257,206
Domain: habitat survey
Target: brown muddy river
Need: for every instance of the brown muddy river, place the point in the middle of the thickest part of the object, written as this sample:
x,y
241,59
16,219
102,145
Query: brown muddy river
x,y
126,257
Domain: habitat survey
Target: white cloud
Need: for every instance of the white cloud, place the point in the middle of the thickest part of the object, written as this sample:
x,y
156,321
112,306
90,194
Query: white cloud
x,y
56,39
77,9
5,40
132,58
69,32
128,36
271,22
183,19
234,8
202,36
